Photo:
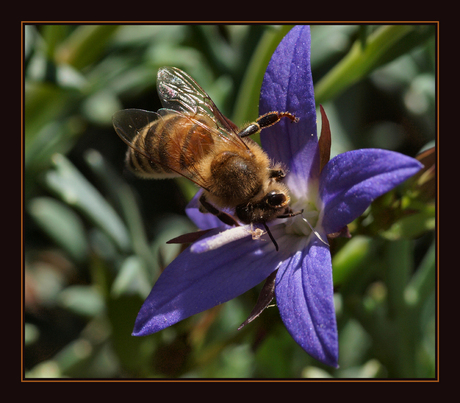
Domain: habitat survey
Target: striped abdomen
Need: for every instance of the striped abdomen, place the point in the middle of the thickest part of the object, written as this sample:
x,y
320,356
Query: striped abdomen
x,y
173,145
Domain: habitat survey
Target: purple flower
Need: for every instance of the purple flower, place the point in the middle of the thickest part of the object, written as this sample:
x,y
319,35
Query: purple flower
x,y
226,262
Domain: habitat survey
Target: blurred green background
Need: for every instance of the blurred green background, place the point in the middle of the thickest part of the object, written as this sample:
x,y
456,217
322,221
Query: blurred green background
x,y
94,235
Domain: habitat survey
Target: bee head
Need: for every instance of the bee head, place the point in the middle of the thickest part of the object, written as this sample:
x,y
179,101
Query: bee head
x,y
273,203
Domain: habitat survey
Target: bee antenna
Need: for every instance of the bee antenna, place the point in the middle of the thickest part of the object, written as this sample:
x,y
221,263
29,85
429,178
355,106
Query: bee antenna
x,y
271,236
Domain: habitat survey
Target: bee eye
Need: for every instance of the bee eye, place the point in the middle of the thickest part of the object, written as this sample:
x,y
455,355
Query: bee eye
x,y
275,199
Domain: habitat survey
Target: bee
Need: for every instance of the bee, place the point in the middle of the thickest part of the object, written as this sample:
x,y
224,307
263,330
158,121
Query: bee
x,y
190,137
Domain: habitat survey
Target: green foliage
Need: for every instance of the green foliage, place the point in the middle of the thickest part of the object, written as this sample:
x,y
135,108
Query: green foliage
x,y
95,236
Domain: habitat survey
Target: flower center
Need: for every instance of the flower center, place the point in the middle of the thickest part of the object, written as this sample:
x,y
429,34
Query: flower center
x,y
301,225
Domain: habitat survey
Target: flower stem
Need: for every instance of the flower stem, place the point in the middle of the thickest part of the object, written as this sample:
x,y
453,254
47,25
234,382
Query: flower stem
x,y
360,60
247,101
399,266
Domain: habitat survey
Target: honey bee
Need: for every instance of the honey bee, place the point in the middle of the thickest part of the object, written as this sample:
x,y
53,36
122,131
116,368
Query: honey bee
x,y
190,137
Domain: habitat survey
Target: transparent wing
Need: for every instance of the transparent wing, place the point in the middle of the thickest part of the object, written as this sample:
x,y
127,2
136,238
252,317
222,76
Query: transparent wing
x,y
180,92
128,123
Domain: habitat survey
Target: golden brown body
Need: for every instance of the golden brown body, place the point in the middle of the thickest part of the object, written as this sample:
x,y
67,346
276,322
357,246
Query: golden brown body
x,y
175,141
179,145
191,138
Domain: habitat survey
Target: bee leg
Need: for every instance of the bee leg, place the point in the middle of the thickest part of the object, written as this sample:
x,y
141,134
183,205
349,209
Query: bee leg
x,y
229,220
276,174
271,118
267,120
224,217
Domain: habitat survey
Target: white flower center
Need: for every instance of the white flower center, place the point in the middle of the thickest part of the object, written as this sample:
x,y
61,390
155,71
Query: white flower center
x,y
297,225
303,224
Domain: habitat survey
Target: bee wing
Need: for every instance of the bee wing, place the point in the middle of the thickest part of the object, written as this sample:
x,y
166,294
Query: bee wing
x,y
128,123
180,92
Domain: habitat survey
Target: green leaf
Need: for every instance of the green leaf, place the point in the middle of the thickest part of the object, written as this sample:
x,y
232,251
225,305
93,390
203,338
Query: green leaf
x,y
131,278
422,285
382,46
73,188
85,45
133,353
83,300
54,137
61,224
412,225
350,257
247,103
125,200
44,102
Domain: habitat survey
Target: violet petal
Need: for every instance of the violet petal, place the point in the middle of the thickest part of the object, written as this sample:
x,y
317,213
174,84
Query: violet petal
x,y
352,180
288,86
192,283
202,220
304,294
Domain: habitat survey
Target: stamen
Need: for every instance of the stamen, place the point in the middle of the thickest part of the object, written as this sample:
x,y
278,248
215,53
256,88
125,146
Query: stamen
x,y
314,231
